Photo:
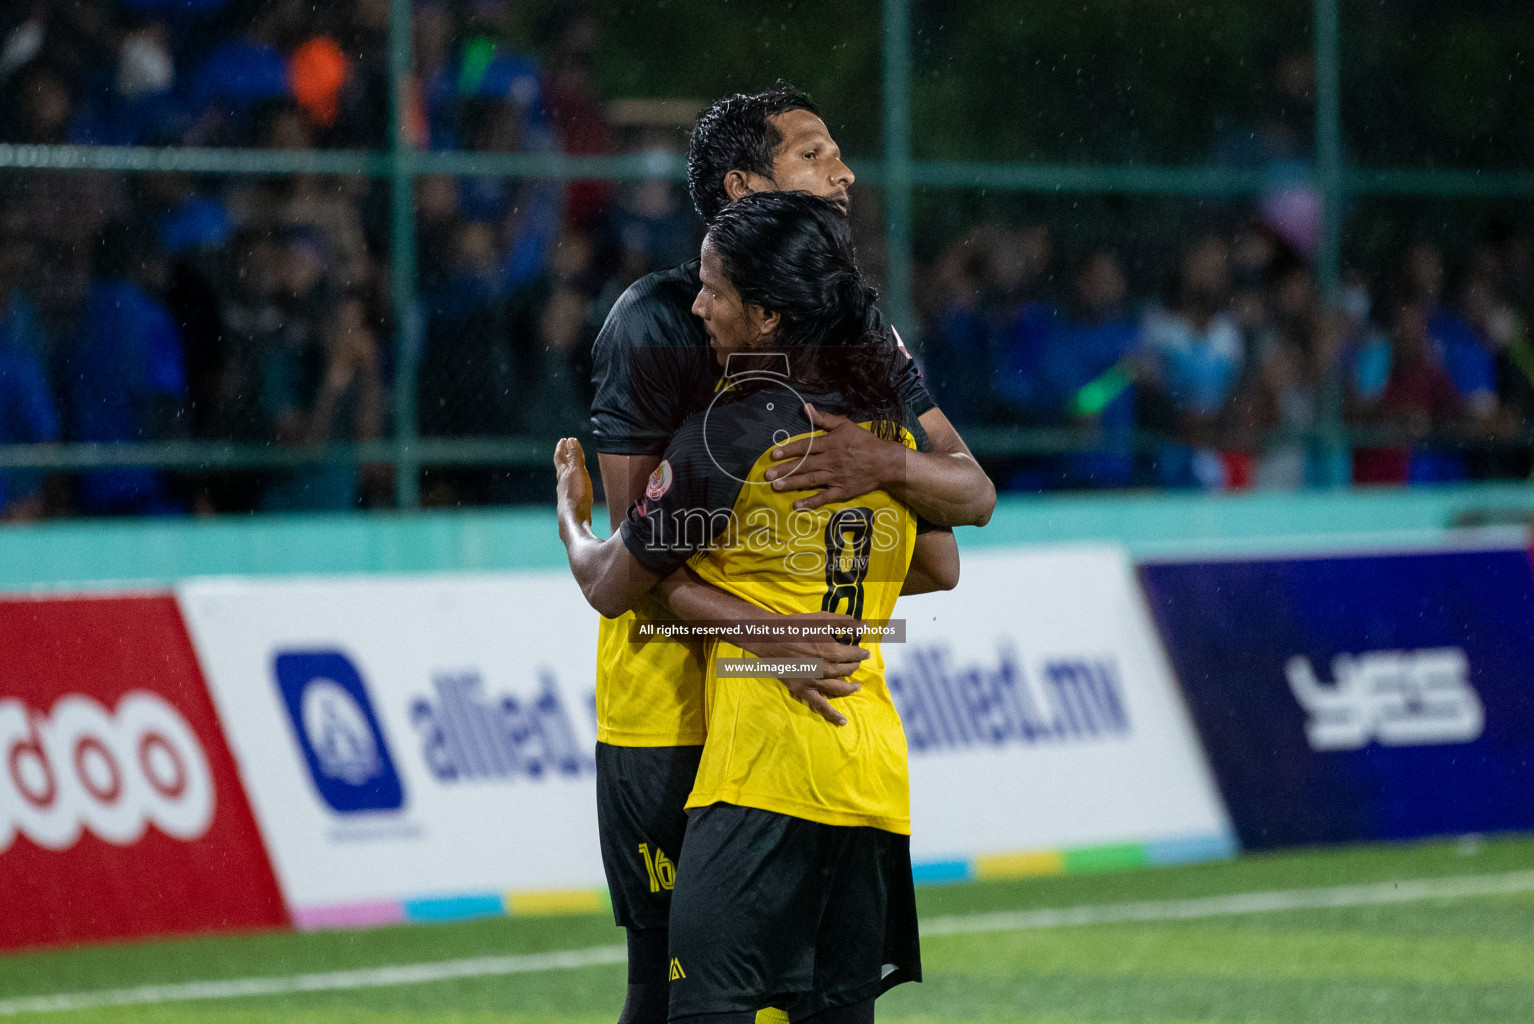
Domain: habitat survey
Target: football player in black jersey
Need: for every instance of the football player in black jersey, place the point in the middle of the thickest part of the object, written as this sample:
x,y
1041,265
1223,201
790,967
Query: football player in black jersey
x,y
652,368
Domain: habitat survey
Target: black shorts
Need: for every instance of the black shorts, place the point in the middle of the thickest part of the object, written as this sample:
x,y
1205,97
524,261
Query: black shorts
x,y
772,910
640,794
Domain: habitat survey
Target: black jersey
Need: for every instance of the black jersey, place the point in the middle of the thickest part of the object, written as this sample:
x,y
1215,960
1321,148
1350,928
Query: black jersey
x,y
652,366
712,474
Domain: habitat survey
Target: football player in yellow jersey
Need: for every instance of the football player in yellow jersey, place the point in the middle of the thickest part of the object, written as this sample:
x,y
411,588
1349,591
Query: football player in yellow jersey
x,y
653,366
794,888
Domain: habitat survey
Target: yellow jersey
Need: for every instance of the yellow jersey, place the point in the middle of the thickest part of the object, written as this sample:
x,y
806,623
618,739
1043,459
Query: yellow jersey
x,y
649,691
709,506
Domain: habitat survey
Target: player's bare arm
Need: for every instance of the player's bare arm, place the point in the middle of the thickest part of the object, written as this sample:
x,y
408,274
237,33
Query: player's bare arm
x,y
611,579
945,485
623,481
934,563
694,600
690,599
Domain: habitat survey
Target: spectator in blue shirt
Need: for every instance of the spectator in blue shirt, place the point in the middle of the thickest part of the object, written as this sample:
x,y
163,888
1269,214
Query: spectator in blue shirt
x,y
485,74
980,341
1459,348
28,408
467,377
1194,359
242,74
1021,341
956,349
125,378
1468,358
20,322
337,398
27,416
134,101
192,222
466,381
1085,374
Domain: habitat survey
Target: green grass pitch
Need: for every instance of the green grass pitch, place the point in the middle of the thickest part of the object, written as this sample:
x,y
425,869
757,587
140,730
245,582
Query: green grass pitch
x,y
1465,958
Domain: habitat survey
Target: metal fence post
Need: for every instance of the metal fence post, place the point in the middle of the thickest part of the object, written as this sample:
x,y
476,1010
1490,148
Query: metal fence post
x,y
402,261
1331,450
1328,57
897,166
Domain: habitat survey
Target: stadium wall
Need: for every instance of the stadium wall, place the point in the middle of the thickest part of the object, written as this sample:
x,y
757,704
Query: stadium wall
x,y
159,552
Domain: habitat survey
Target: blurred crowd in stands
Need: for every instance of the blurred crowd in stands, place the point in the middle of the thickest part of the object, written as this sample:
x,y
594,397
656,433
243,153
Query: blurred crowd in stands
x,y
255,309
249,309
1226,368
1228,378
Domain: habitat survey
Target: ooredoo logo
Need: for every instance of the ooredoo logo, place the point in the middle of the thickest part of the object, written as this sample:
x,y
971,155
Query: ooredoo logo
x,y
115,773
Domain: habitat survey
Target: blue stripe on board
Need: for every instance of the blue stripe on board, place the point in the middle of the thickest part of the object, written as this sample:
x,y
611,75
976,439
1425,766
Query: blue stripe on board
x,y
455,908
937,871
1191,850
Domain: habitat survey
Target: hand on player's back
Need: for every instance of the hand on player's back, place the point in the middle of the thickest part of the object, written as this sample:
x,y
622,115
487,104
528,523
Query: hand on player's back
x,y
817,695
844,462
840,660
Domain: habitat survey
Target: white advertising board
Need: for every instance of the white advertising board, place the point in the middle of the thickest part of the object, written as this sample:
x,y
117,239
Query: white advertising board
x,y
413,748
1043,718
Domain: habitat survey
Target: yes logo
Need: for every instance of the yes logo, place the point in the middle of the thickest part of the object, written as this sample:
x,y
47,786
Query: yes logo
x,y
1398,698
334,723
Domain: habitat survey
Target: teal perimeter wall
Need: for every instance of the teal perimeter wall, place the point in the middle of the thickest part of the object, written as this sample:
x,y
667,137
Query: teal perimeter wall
x,y
53,555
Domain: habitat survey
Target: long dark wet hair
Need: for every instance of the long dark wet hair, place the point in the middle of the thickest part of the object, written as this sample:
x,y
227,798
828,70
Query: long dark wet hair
x,y
791,253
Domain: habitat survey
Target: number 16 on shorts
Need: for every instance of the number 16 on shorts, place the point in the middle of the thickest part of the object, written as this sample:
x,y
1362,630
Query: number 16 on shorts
x,y
659,867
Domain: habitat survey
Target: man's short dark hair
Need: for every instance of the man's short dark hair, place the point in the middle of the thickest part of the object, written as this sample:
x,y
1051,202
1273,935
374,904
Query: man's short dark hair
x,y
737,134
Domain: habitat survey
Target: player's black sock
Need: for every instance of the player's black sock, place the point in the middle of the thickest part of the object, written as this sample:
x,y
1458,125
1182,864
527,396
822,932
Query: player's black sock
x,y
858,1013
646,1004
649,956
649,994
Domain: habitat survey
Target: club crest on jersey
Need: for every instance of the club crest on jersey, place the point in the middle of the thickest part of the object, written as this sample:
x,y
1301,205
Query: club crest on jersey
x,y
901,346
660,481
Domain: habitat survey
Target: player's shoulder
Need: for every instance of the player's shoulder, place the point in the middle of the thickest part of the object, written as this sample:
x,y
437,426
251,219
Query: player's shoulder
x,y
668,287
734,432
662,299
691,435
